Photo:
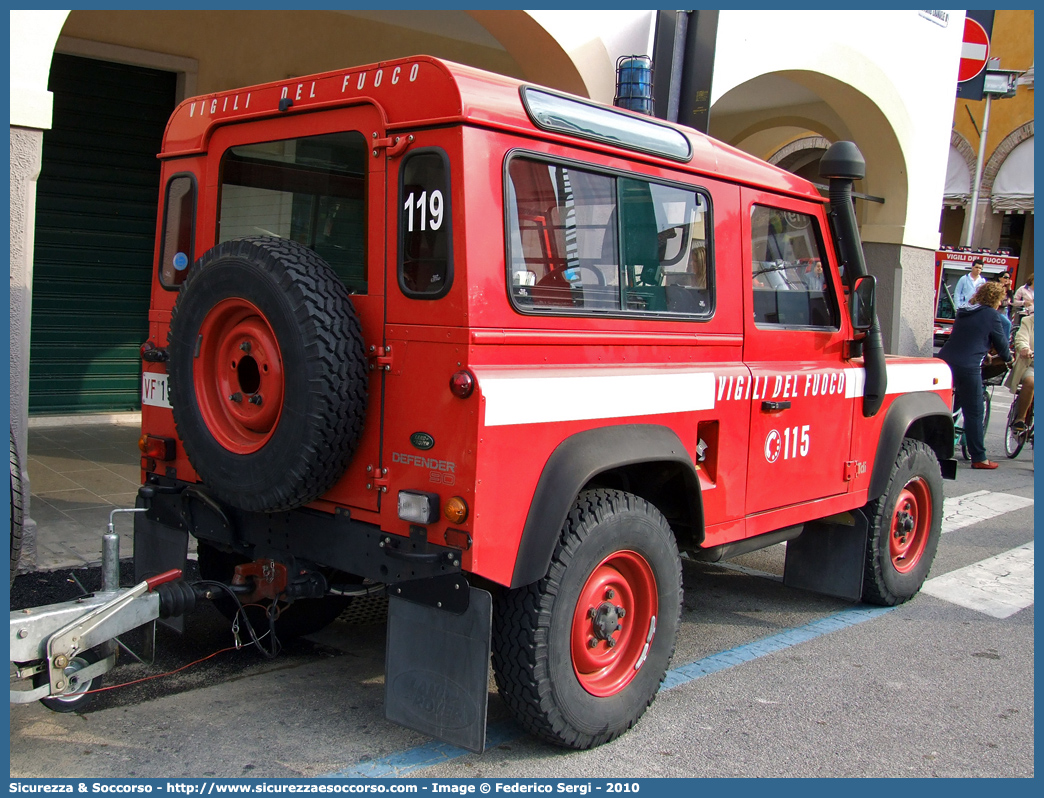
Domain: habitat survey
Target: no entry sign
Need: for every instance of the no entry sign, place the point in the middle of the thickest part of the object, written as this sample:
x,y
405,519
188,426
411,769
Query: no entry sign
x,y
975,50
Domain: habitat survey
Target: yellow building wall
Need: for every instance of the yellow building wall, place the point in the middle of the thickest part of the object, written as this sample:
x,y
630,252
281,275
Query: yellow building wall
x,y
1012,42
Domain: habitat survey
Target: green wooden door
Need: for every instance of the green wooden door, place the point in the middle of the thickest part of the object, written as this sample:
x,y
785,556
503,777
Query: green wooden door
x,y
95,225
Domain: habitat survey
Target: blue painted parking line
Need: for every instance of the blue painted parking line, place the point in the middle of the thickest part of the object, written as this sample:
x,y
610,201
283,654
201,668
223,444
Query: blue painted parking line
x,y
406,762
770,645
424,756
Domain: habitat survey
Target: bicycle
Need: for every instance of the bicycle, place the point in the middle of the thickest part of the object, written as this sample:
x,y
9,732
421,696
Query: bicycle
x,y
1015,440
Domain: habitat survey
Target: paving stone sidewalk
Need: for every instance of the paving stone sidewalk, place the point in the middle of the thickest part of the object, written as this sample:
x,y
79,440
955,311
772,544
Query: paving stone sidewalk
x,y
79,471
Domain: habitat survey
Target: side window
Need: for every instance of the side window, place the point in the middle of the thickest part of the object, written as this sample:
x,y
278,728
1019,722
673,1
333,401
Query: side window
x,y
562,237
665,248
581,241
790,286
311,190
425,225
179,216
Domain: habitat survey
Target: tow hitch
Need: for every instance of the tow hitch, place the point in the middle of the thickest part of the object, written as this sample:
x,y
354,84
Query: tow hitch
x,y
59,649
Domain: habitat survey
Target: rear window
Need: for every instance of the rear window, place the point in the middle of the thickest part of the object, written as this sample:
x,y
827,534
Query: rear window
x,y
582,241
425,225
179,217
311,190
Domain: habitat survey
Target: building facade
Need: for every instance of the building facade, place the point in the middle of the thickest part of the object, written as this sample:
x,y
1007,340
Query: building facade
x,y
1004,213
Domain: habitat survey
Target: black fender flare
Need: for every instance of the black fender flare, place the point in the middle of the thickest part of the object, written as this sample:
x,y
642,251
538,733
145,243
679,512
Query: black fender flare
x,y
911,412
573,464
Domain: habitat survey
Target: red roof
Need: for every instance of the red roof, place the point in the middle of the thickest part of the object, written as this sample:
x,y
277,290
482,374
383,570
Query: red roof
x,y
421,91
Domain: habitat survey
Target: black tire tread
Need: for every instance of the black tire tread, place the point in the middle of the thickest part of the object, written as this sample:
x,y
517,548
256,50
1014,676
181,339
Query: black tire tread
x,y
17,508
522,617
1010,436
879,512
336,362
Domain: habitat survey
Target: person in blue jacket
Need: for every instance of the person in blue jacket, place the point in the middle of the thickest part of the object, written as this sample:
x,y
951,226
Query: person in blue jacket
x,y
976,329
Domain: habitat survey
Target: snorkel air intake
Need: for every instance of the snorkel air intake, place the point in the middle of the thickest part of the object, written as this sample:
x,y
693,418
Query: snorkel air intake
x,y
842,164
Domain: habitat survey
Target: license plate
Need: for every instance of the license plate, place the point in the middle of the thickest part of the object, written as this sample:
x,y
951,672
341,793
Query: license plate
x,y
154,390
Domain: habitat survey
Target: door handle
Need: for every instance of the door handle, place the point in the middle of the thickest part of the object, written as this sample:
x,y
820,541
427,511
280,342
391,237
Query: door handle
x,y
775,407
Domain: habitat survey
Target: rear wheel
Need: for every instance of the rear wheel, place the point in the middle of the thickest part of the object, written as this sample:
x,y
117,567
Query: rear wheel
x,y
958,432
1013,441
905,525
579,655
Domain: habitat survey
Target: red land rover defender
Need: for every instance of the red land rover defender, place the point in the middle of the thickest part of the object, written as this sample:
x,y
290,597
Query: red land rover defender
x,y
504,353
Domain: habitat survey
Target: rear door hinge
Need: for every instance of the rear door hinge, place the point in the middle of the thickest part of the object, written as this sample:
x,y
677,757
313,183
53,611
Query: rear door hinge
x,y
380,358
377,479
854,469
395,145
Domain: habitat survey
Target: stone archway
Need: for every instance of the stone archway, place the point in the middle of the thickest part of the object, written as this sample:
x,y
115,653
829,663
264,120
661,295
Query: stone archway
x,y
799,155
267,45
959,143
996,160
539,55
986,223
787,117
960,174
769,112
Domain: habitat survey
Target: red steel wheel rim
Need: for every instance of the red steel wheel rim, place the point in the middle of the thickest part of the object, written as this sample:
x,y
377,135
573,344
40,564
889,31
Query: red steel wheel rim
x,y
911,523
238,376
623,580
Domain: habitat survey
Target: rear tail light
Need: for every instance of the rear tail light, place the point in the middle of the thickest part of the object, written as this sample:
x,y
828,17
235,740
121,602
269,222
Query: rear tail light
x,y
156,448
462,384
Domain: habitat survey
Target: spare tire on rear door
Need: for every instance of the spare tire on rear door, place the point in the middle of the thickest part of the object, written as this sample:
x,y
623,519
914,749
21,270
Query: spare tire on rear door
x,y
267,373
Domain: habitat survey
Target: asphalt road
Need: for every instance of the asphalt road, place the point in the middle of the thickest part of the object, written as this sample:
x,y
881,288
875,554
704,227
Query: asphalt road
x,y
929,689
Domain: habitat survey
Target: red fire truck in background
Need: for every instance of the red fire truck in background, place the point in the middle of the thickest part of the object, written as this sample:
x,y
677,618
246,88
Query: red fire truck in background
x,y
950,266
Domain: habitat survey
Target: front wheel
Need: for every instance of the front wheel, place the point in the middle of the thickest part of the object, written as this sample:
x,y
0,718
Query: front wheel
x,y
905,525
579,655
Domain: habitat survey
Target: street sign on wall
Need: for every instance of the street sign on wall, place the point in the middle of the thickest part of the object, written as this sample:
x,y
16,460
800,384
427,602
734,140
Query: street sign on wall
x,y
975,52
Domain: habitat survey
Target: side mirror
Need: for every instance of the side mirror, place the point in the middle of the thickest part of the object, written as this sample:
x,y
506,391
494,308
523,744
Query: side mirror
x,y
861,302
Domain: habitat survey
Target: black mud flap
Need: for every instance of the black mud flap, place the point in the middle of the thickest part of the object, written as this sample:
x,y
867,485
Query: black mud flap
x,y
948,468
437,669
159,547
829,557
